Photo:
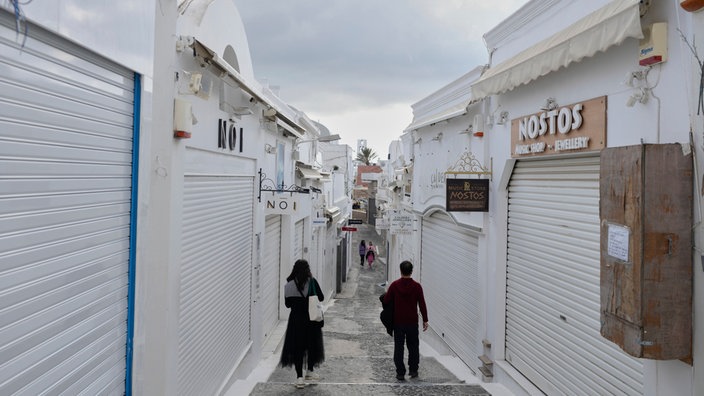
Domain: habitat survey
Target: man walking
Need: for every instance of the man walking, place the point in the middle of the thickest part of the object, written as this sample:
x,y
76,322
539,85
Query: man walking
x,y
406,295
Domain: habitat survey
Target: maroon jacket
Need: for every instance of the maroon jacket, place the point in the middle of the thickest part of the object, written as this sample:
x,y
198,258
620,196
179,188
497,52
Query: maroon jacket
x,y
406,296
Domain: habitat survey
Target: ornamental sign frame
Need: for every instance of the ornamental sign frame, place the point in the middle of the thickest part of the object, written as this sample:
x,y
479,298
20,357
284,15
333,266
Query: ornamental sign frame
x,y
577,127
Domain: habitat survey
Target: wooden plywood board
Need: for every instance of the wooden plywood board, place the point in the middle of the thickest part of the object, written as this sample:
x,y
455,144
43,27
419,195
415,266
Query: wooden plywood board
x,y
646,297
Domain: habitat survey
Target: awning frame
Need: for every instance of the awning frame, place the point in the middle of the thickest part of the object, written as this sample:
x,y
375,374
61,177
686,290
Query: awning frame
x,y
210,57
608,26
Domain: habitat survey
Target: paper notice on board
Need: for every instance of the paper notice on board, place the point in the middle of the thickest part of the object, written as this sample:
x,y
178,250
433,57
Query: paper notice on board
x,y
618,242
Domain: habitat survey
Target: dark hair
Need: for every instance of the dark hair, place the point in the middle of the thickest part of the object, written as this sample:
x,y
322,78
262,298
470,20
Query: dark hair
x,y
406,268
300,273
362,243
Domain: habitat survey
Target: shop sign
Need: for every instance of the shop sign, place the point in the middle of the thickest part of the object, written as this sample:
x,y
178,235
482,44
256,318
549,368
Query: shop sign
x,y
467,195
320,221
437,180
401,223
281,203
574,128
382,223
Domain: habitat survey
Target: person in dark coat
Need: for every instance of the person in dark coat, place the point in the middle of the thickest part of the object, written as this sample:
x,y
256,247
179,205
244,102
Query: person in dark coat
x,y
406,296
303,339
362,252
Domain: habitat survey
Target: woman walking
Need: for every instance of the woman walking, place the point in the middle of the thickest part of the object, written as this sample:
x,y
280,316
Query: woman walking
x,y
371,254
362,252
304,339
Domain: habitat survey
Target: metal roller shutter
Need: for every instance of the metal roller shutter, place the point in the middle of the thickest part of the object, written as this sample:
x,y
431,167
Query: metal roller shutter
x,y
450,278
270,273
216,262
298,242
66,163
552,303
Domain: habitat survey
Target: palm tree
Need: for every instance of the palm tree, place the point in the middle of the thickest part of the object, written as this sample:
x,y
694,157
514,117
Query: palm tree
x,y
366,155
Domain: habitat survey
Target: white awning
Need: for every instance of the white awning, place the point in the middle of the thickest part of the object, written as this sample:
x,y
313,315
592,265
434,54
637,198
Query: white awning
x,y
308,173
211,57
446,114
605,27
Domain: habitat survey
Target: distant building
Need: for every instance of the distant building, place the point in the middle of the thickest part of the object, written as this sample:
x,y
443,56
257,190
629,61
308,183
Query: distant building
x,y
361,143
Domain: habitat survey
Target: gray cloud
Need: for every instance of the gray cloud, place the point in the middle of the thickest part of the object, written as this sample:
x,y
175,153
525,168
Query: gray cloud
x,y
360,52
357,66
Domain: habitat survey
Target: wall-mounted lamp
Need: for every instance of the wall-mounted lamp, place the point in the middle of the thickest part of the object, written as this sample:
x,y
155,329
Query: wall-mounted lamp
x,y
240,111
194,83
328,138
269,112
641,96
635,79
503,118
638,79
323,139
269,148
550,104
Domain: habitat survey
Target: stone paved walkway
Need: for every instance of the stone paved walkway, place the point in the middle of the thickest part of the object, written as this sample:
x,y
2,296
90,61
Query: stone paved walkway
x,y
359,351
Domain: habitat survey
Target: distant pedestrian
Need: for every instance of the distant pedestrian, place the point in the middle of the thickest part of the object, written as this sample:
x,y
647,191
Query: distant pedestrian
x,y
371,254
362,252
303,337
406,296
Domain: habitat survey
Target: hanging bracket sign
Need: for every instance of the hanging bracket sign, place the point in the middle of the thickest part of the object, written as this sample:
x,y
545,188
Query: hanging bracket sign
x,y
467,195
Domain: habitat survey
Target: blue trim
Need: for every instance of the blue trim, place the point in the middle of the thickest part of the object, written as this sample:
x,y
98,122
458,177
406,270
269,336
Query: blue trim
x,y
133,233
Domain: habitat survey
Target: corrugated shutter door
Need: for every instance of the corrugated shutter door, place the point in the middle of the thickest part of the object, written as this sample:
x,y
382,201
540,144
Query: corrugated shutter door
x,y
270,270
298,242
66,139
450,278
216,262
552,307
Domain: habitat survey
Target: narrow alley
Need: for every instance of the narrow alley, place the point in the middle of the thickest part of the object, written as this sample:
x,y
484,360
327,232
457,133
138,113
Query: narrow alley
x,y
359,351
163,165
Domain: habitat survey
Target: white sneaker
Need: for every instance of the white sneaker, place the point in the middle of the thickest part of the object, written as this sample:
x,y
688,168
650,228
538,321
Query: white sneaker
x,y
300,384
312,376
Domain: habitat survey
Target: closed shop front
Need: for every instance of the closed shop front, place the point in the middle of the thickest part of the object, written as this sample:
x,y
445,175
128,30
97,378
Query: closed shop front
x,y
450,277
67,140
216,269
552,290
270,273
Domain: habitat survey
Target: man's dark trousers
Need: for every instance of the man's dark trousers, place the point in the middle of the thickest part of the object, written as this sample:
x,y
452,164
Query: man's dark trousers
x,y
409,335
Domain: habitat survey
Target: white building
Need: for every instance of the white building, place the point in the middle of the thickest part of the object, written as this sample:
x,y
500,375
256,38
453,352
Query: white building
x,y
527,269
155,197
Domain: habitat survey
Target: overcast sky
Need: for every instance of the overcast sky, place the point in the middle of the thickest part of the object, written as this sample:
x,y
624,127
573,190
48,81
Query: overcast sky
x,y
357,66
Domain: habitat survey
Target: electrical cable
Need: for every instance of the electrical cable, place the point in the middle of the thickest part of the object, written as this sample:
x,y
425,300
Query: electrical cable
x,y
20,20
